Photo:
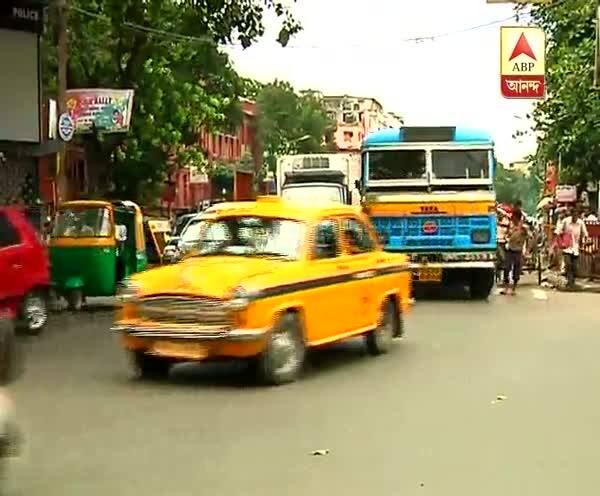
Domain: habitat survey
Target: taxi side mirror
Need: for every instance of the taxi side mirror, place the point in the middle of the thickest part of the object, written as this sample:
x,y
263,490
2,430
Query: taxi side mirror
x,y
121,233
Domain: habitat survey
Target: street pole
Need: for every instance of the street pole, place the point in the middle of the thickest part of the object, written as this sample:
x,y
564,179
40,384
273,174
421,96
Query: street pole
x,y
597,50
62,48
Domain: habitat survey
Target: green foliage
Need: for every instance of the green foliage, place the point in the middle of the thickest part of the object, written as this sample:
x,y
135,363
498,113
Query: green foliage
x,y
167,51
568,121
513,185
292,123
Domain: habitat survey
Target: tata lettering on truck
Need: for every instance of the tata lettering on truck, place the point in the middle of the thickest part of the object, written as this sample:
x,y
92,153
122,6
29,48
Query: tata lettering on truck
x,y
430,193
319,176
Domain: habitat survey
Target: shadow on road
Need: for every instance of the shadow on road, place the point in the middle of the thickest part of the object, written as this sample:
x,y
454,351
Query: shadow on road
x,y
238,375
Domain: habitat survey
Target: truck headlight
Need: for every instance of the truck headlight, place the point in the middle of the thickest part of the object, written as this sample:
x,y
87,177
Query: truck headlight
x,y
240,299
480,236
128,290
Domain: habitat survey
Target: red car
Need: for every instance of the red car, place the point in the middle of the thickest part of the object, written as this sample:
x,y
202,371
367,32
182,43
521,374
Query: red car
x,y
24,271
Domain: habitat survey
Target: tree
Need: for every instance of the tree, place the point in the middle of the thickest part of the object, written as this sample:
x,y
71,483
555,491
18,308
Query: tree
x,y
568,121
168,52
292,123
513,185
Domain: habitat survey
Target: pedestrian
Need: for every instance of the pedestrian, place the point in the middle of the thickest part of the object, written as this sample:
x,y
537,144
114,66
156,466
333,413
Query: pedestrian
x,y
501,236
571,233
516,238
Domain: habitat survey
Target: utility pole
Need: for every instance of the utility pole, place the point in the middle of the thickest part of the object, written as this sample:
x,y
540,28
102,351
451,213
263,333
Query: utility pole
x,y
62,47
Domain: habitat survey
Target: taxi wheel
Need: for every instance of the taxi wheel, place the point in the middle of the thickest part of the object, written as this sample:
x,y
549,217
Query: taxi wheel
x,y
379,340
150,367
283,358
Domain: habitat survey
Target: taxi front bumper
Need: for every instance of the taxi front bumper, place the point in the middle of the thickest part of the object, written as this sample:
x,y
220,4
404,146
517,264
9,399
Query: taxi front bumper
x,y
190,333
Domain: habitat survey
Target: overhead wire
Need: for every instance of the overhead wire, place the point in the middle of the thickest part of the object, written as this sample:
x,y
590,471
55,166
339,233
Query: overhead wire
x,y
210,40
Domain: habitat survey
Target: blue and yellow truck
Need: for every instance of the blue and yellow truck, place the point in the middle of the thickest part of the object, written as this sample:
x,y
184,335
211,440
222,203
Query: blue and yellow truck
x,y
430,193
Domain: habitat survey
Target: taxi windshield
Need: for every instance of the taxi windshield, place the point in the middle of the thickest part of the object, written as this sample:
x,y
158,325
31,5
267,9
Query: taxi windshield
x,y
82,223
192,232
252,236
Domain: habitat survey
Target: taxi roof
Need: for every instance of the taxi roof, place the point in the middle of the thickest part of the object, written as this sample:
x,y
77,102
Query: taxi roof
x,y
275,206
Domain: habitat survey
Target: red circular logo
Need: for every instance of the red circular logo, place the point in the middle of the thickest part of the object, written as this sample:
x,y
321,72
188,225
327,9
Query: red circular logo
x,y
430,227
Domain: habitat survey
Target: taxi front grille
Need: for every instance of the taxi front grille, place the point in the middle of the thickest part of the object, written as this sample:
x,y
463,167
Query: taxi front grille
x,y
185,310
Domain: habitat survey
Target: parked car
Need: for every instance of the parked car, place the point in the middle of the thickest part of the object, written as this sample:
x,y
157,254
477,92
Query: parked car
x,y
25,271
269,280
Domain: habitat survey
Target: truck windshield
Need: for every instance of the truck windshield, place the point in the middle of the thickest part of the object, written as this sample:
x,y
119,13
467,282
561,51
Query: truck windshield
x,y
82,223
397,164
313,193
461,164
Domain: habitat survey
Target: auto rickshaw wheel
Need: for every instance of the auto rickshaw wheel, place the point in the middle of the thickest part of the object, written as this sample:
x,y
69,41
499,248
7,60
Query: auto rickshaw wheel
x,y
74,299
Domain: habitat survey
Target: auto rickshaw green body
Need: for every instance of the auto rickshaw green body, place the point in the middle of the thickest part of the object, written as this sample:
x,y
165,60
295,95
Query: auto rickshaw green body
x,y
89,251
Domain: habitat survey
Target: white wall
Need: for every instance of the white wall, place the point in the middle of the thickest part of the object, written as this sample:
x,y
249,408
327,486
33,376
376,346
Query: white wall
x,y
19,87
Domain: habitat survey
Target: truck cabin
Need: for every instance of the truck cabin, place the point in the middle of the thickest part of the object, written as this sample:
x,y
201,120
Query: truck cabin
x,y
427,159
315,184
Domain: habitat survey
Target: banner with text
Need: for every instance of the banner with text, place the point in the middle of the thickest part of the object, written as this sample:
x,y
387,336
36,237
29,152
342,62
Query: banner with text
x,y
105,110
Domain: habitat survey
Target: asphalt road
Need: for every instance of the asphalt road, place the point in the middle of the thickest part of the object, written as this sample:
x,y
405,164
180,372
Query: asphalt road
x,y
422,420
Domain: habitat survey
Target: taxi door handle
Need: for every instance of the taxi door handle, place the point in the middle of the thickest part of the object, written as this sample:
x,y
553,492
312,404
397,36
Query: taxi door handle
x,y
343,266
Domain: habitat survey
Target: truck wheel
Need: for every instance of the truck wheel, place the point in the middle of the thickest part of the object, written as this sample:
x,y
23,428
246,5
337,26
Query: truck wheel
x,y
283,358
482,282
379,340
150,367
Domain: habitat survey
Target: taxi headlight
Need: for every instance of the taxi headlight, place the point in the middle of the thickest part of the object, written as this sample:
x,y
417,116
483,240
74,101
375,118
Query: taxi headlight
x,y
128,290
240,299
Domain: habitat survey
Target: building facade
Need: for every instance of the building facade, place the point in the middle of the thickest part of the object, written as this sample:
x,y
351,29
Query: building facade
x,y
356,117
188,187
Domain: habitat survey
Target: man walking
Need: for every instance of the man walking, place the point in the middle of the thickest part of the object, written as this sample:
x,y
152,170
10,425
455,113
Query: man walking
x,y
571,232
517,236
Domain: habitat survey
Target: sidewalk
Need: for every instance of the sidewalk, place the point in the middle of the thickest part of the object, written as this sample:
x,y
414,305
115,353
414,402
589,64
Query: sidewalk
x,y
554,280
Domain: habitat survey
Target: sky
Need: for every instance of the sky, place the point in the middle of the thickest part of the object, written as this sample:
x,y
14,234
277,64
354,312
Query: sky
x,y
360,48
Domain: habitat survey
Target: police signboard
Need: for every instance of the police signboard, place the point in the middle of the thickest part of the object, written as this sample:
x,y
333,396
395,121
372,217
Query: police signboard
x,y
66,127
522,62
19,15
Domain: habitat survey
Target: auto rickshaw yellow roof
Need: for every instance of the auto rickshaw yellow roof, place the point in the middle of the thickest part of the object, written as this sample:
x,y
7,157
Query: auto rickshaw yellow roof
x,y
86,203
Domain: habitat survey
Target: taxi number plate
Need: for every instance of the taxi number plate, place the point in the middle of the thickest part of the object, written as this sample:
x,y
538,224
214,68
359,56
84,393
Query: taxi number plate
x,y
430,274
194,351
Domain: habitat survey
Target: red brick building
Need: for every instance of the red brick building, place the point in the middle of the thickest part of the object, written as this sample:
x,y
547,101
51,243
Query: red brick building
x,y
188,188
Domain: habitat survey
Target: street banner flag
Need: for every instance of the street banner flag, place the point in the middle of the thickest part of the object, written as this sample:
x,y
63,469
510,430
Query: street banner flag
x,y
522,62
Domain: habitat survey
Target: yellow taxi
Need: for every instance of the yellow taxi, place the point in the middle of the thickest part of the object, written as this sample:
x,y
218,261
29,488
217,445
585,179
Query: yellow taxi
x,y
269,280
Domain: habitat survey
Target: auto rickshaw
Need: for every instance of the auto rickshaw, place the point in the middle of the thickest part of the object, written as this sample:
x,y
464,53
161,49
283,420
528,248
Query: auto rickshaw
x,y
94,245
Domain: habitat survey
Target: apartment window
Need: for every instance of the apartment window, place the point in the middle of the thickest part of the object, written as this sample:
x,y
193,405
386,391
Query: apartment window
x,y
348,135
349,118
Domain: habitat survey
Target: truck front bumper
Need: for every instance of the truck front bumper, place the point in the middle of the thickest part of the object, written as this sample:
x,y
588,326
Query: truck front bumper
x,y
465,264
